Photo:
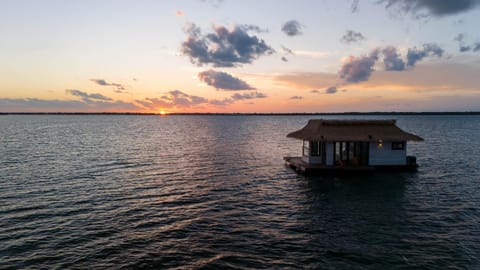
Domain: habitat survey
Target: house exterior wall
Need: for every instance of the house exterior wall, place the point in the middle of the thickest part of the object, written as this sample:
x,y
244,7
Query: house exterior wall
x,y
306,157
384,155
305,151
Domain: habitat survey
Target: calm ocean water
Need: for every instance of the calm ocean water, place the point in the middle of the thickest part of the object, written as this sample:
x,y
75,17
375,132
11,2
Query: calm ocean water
x,y
212,192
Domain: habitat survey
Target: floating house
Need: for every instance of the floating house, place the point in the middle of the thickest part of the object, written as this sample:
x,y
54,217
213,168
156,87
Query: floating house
x,y
352,145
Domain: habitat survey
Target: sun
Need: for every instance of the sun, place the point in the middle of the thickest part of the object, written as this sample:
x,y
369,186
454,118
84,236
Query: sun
x,y
162,112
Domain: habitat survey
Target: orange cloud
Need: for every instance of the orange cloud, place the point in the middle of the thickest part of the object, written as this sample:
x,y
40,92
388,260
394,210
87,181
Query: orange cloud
x,y
429,77
453,76
307,80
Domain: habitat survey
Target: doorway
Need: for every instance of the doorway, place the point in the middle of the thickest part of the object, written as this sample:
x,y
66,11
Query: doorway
x,y
351,153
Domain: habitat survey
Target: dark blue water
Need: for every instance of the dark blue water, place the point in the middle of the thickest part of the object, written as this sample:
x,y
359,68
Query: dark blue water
x,y
212,192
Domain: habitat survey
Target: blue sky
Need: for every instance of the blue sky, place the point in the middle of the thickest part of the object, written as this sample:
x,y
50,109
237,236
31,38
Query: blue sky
x,y
145,55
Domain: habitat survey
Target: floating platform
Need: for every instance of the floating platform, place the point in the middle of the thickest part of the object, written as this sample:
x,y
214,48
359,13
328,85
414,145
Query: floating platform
x,y
300,166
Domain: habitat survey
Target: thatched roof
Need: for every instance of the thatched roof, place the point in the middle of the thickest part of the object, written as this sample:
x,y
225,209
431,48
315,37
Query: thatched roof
x,y
352,130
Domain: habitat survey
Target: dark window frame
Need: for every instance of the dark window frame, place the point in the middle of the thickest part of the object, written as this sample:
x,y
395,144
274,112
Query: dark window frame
x,y
315,149
398,145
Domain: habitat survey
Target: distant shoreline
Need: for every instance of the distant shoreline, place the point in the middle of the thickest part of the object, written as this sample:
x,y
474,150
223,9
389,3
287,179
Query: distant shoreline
x,y
246,114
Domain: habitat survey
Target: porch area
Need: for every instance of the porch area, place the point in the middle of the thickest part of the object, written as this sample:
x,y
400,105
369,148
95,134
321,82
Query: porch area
x,y
300,166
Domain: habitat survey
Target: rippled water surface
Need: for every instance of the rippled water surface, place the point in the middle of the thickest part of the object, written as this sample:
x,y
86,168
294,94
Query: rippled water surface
x,y
212,192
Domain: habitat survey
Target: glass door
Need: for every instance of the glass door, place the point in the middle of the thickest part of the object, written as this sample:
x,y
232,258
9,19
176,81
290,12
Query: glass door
x,y
351,153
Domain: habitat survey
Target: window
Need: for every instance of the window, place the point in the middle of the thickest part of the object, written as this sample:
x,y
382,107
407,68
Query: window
x,y
344,151
306,148
337,151
398,145
351,150
314,148
351,153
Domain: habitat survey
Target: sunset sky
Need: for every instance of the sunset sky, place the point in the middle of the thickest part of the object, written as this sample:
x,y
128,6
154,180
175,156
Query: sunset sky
x,y
239,56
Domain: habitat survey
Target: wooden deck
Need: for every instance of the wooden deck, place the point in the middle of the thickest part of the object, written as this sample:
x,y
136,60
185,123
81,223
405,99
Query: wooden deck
x,y
297,164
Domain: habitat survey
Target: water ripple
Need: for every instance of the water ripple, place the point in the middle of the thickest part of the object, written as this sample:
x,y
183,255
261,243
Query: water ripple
x,y
211,192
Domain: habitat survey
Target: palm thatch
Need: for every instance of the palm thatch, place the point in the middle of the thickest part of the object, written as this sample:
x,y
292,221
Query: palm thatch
x,y
352,130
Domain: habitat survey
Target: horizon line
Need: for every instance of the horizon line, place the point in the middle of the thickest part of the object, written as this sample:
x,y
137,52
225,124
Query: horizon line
x,y
252,113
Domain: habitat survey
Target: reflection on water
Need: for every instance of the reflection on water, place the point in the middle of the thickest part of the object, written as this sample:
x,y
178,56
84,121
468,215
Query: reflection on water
x,y
213,192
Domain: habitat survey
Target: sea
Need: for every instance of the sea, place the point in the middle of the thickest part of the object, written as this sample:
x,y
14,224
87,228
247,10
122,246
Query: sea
x,y
213,192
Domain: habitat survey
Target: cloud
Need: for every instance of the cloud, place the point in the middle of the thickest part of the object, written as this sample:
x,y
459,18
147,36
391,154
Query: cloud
x,y
292,28
476,47
430,49
351,37
173,99
254,28
466,48
101,82
87,97
447,77
296,97
119,88
224,81
213,3
179,99
306,80
434,76
183,99
432,7
354,6
358,69
311,54
287,50
223,102
252,95
179,13
223,47
331,90
459,37
237,97
461,44
46,105
94,102
392,60
328,90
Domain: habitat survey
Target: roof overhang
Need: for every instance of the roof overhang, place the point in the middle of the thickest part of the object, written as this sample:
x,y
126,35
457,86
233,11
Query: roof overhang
x,y
352,130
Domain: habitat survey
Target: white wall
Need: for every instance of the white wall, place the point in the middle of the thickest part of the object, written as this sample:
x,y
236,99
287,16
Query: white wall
x,y
386,156
305,152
